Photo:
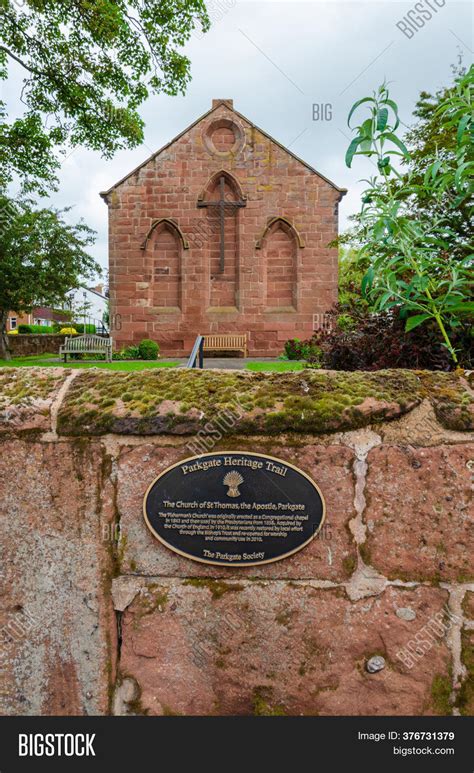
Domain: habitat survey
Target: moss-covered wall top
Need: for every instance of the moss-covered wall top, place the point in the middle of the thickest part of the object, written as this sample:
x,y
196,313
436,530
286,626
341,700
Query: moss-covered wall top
x,y
186,401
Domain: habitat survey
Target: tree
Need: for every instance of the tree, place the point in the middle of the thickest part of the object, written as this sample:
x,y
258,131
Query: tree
x,y
431,139
41,258
412,262
352,268
89,65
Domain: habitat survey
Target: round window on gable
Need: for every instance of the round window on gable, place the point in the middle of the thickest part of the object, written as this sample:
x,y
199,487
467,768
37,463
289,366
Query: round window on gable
x,y
224,138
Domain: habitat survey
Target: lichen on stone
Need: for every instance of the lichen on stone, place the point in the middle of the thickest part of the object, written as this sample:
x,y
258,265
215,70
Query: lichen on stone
x,y
441,694
151,599
262,703
24,385
465,698
217,587
26,395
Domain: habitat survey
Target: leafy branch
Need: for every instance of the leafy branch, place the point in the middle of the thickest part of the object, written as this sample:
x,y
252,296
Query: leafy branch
x,y
411,262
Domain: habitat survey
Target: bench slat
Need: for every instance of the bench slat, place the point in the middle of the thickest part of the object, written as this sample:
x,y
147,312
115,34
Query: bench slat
x,y
226,341
87,344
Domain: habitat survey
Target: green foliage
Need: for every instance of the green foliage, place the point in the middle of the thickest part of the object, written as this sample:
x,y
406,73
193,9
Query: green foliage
x,y
441,694
412,266
352,268
24,329
79,327
356,338
298,350
428,139
42,329
41,258
127,353
148,349
88,66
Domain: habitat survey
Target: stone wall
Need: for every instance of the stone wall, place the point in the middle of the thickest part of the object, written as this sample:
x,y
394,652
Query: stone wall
x,y
374,616
31,343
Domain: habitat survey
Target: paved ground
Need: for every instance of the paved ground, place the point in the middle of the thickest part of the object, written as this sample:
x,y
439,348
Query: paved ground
x,y
228,363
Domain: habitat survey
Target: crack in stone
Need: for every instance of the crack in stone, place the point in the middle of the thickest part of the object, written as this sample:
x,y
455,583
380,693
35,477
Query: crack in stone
x,y
453,635
361,442
56,405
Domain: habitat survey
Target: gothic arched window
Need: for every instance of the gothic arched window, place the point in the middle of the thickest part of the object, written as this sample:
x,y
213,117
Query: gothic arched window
x,y
222,199
279,243
164,243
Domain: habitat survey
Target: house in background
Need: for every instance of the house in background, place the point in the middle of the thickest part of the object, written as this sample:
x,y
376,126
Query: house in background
x,y
40,315
89,304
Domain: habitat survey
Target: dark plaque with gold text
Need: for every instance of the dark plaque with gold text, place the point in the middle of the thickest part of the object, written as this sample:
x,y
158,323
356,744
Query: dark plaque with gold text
x,y
234,508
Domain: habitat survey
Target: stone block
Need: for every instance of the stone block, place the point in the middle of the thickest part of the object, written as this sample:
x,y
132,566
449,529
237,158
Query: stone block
x,y
275,648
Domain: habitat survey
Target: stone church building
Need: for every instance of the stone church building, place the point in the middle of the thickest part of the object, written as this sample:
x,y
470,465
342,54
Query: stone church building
x,y
223,230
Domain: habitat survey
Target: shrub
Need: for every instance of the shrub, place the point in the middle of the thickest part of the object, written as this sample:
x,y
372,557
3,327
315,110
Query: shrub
x,y
69,331
148,349
13,332
127,353
373,341
36,329
294,349
418,262
43,329
301,350
352,268
79,326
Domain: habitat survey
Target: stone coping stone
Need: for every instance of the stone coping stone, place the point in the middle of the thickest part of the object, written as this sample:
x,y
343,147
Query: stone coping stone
x,y
26,397
186,402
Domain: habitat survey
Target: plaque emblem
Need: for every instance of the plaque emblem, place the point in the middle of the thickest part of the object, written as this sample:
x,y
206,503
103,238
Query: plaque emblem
x,y
233,480
234,508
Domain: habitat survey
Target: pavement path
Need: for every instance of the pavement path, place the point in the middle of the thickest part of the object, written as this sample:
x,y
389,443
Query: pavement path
x,y
227,363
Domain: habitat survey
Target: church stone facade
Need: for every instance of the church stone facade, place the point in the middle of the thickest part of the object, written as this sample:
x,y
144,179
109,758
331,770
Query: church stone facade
x,y
221,231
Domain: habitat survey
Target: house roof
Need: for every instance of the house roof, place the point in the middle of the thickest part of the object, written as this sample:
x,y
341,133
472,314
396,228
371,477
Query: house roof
x,y
216,103
46,312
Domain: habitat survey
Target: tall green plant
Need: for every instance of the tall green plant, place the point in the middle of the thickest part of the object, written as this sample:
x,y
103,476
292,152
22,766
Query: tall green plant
x,y
428,139
351,272
411,265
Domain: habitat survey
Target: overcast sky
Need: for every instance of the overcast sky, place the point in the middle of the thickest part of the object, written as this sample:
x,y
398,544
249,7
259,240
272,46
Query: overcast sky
x,y
276,59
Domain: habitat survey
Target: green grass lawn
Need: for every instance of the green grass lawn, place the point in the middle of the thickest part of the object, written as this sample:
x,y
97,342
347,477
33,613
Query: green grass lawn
x,y
280,367
48,361
51,361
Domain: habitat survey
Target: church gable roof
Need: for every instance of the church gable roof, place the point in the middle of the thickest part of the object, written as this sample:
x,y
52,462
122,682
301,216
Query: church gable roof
x,y
217,103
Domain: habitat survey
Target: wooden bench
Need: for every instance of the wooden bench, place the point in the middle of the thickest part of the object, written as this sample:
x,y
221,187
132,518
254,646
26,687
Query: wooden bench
x,y
86,344
226,342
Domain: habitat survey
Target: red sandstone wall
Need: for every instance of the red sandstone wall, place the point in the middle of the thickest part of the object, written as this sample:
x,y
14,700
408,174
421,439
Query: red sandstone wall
x,y
271,293
31,343
389,576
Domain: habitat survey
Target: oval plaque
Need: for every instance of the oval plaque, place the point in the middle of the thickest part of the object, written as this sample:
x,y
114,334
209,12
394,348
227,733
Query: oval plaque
x,y
234,508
